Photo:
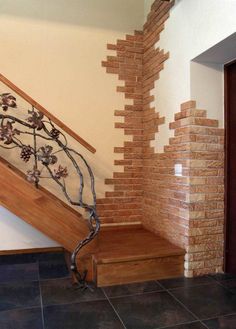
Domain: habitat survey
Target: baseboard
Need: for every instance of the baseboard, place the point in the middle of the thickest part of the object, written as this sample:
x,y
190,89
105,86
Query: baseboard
x,y
31,251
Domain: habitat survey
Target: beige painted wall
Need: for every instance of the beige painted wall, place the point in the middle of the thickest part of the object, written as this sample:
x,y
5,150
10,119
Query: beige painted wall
x,y
194,26
53,51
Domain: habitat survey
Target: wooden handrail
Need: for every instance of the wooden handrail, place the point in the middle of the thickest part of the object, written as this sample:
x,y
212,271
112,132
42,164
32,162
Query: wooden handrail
x,y
40,108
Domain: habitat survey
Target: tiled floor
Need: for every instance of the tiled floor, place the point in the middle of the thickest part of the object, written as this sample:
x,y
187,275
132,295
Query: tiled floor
x,y
35,293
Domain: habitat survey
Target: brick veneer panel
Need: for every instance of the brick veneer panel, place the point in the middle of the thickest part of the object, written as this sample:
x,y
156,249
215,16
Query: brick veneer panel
x,y
186,210
137,63
189,210
124,204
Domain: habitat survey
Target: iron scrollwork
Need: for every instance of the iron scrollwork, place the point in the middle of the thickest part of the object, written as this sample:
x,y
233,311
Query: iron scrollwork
x,y
40,127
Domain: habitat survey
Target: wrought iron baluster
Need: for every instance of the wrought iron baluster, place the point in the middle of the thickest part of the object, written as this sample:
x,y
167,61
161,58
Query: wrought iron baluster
x,y
45,157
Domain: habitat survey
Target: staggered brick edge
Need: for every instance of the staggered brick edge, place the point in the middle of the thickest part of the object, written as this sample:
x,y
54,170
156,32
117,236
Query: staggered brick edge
x,y
187,210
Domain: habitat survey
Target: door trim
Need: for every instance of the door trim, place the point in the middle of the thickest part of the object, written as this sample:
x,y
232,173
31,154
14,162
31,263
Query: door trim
x,y
226,162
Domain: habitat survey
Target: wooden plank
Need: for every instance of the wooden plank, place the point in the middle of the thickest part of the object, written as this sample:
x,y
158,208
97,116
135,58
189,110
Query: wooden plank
x,y
31,251
133,244
40,108
138,271
42,211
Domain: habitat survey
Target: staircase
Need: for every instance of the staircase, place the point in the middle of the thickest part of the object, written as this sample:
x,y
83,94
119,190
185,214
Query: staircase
x,y
117,255
134,255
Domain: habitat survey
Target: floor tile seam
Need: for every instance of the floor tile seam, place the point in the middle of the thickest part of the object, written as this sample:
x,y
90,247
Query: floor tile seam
x,y
76,302
187,309
177,324
22,281
20,309
164,288
217,316
184,306
41,299
115,311
196,285
17,282
17,264
204,325
51,279
136,294
13,263
221,280
226,288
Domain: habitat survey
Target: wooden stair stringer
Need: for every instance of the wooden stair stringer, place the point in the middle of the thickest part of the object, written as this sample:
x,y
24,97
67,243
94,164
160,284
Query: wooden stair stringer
x,y
42,210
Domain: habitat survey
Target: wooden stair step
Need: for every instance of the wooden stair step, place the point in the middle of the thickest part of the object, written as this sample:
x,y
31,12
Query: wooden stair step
x,y
135,255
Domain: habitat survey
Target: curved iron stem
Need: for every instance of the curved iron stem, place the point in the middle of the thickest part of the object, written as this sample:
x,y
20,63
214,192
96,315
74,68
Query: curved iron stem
x,y
34,123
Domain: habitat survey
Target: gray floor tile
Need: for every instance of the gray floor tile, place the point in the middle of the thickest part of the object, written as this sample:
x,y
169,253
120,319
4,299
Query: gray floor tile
x,y
19,272
152,310
131,289
230,284
53,270
60,291
195,325
185,282
19,295
224,322
207,301
21,319
88,315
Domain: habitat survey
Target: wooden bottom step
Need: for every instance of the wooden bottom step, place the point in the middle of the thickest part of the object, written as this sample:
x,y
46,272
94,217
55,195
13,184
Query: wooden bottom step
x,y
135,255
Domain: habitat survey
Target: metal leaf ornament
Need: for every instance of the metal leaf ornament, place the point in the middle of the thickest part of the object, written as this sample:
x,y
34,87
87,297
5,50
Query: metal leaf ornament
x,y
36,119
33,175
61,172
45,155
7,100
7,132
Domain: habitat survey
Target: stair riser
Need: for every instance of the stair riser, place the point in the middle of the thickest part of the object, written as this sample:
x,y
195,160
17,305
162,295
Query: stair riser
x,y
138,271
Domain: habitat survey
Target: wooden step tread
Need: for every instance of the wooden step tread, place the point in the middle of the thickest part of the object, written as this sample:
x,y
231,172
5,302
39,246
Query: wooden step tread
x,y
133,244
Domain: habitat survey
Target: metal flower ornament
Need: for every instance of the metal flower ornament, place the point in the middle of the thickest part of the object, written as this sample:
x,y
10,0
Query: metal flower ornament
x,y
44,158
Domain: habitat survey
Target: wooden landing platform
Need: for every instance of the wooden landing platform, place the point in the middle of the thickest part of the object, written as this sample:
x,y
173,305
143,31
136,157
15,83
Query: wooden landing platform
x,y
135,255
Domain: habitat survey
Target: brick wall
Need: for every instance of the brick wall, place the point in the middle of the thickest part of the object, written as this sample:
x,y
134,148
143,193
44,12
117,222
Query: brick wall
x,y
125,203
187,210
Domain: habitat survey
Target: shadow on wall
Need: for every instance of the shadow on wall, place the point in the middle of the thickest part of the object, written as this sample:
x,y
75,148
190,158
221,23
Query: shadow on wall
x,y
94,13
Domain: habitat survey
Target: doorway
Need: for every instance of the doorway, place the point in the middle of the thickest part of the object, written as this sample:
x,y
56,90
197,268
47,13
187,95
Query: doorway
x,y
230,167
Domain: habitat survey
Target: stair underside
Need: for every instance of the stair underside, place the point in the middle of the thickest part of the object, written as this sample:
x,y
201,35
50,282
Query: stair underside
x,y
135,255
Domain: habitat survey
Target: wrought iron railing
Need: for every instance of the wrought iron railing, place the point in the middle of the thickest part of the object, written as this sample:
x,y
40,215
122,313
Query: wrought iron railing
x,y
41,149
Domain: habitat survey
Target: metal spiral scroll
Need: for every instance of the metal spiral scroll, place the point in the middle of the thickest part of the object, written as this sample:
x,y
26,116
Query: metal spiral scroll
x,y
40,127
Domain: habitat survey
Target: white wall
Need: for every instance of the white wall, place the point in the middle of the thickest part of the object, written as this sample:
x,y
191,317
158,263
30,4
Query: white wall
x,y
193,27
207,87
53,51
16,234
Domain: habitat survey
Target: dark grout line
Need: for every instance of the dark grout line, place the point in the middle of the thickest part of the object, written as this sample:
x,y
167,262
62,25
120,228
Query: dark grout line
x,y
19,309
136,294
78,302
54,279
222,285
41,298
117,314
219,316
179,324
204,325
187,309
196,285
161,285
